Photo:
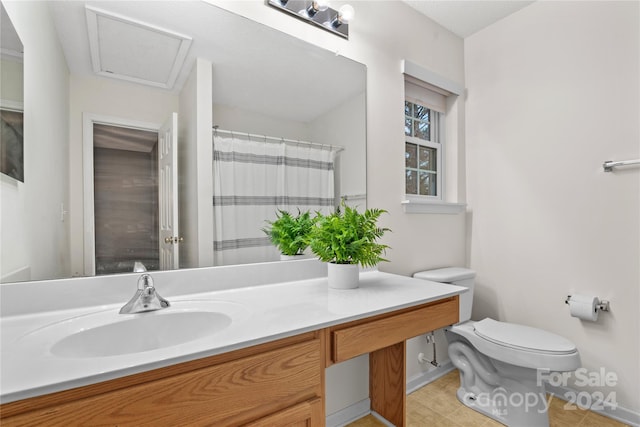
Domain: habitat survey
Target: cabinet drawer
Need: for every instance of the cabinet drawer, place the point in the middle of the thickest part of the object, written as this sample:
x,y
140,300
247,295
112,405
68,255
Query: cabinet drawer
x,y
362,337
230,393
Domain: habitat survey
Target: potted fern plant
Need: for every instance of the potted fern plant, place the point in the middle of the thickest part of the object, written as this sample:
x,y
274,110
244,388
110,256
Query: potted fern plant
x,y
290,233
346,239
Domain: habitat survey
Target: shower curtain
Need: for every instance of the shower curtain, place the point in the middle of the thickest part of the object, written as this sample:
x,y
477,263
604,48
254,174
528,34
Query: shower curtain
x,y
252,181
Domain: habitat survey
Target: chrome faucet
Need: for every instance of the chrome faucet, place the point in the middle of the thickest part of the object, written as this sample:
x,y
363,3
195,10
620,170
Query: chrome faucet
x,y
146,298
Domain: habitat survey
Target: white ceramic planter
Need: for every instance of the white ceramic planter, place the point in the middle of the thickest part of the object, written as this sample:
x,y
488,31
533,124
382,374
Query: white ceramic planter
x,y
343,276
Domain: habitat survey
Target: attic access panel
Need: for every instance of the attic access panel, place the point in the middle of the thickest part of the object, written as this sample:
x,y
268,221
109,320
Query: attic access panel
x,y
127,49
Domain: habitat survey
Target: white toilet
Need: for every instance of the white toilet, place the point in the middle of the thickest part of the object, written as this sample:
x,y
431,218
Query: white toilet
x,y
502,365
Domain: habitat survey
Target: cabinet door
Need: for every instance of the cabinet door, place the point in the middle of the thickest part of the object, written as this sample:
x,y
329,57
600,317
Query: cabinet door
x,y
305,414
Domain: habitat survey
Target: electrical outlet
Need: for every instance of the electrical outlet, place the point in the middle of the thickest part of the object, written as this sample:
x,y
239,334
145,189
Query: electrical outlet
x,y
430,339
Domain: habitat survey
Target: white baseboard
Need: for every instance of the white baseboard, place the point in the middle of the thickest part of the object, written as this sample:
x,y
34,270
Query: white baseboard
x,y
425,378
382,419
349,414
618,413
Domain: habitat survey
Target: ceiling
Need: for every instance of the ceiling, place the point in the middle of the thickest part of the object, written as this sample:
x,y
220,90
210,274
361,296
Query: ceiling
x,y
252,63
465,18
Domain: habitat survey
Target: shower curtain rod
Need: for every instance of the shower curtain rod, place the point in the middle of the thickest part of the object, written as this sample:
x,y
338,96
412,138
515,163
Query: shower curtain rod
x,y
274,139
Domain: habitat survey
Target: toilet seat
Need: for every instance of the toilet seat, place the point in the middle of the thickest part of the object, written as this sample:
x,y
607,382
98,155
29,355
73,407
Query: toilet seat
x,y
519,345
523,337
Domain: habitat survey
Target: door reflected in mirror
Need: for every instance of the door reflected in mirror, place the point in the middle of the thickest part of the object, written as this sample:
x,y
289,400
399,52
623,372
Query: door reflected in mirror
x,y
125,198
11,100
237,74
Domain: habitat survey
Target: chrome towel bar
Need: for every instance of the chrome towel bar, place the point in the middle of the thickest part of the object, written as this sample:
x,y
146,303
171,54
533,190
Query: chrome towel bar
x,y
609,165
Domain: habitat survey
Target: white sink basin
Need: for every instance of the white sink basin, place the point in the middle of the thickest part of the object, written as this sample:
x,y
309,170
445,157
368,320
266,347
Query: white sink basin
x,y
142,333
108,333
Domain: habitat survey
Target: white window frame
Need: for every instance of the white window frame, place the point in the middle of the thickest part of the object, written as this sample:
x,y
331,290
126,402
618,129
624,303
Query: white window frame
x,y
430,204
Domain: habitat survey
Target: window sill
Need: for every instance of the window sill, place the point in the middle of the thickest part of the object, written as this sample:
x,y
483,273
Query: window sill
x,y
432,207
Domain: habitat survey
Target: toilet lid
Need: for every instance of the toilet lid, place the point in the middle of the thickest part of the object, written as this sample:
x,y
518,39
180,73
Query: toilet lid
x,y
523,337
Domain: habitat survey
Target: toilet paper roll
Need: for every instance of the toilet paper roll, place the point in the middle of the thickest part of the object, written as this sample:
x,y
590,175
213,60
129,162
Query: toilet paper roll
x,y
584,307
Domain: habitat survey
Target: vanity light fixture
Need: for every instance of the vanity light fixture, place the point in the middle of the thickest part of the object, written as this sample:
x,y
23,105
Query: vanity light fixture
x,y
318,12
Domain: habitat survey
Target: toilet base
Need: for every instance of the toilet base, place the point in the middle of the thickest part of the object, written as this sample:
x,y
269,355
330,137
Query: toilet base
x,y
511,395
496,405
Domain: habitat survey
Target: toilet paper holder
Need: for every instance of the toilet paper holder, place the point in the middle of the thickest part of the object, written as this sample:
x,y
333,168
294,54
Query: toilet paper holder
x,y
603,305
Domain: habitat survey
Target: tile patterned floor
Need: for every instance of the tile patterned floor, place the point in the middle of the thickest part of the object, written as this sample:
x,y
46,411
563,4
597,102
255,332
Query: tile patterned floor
x,y
436,405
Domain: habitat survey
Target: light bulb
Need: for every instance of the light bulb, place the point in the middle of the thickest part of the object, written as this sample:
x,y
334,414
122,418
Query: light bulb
x,y
321,5
346,14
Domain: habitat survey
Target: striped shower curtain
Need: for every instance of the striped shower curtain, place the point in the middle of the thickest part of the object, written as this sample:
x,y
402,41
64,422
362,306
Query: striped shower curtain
x,y
252,180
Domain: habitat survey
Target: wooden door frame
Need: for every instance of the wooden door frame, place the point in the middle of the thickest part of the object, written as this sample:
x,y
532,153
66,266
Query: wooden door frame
x,y
88,120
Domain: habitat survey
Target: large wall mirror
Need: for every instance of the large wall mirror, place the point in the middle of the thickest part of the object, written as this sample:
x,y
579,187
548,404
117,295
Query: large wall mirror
x,y
127,67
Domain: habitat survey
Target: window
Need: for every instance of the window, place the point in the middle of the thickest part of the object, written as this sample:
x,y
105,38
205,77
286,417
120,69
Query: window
x,y
422,150
424,111
431,107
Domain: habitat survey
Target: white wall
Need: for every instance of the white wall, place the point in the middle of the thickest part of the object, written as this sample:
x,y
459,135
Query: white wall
x,y
382,35
195,174
236,119
11,79
340,126
109,98
553,91
33,234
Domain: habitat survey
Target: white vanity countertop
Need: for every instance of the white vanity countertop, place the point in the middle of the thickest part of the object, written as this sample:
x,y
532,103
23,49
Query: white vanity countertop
x,y
267,313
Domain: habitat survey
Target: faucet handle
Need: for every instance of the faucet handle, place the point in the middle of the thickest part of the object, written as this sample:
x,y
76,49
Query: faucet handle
x,y
147,282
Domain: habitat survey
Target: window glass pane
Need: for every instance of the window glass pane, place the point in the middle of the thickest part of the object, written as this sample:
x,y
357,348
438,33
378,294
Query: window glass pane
x,y
421,164
427,158
407,126
411,155
421,112
421,130
411,183
428,184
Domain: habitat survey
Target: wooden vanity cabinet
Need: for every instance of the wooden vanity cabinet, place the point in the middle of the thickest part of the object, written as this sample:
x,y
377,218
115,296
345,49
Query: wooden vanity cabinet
x,y
279,383
258,386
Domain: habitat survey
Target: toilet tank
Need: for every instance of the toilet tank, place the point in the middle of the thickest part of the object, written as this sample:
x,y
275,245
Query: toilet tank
x,y
456,276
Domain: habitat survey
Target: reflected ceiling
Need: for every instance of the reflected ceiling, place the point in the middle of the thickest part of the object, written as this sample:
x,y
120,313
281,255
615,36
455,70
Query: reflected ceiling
x,y
233,52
